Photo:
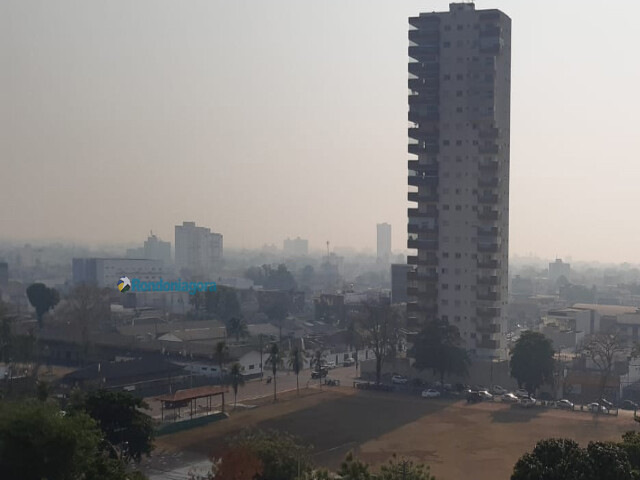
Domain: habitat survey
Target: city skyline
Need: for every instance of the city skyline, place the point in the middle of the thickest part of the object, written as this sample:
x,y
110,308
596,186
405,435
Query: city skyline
x,y
180,130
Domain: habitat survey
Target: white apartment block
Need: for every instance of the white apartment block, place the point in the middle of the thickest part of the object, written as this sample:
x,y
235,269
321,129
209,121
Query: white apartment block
x,y
197,249
459,128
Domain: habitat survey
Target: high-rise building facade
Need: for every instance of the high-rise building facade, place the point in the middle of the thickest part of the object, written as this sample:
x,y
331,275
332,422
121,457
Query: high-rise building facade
x,y
198,250
459,121
384,241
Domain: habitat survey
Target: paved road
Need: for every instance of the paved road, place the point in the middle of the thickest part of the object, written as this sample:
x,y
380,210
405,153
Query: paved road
x,y
285,381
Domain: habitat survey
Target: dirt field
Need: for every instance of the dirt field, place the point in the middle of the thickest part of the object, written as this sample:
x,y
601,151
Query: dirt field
x,y
457,440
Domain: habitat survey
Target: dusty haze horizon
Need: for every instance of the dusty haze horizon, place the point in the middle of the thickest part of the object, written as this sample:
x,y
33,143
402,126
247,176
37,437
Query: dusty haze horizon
x,y
268,120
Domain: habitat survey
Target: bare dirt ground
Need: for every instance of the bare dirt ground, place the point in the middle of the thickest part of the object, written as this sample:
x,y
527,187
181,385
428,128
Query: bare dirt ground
x,y
457,440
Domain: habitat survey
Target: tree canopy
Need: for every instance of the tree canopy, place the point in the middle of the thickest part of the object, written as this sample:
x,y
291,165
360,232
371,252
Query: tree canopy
x,y
37,441
282,455
278,278
127,430
564,459
42,298
437,347
380,331
532,362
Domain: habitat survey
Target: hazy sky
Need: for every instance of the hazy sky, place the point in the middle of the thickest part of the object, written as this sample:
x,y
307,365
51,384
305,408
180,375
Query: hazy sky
x,y
270,118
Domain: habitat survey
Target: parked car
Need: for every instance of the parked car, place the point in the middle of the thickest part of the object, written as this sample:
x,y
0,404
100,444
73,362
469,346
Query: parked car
x,y
349,362
527,402
430,393
629,405
498,390
521,392
607,404
564,404
330,365
399,379
319,373
485,395
509,398
595,407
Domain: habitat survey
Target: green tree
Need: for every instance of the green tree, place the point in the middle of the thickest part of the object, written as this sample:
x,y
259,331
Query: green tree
x,y
42,390
296,363
222,303
380,329
631,445
236,379
275,360
128,431
353,469
283,456
238,328
404,470
221,353
42,298
87,307
532,362
276,313
437,347
564,459
37,442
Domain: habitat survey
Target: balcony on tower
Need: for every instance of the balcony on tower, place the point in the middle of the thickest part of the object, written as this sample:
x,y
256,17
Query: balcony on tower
x,y
430,212
488,247
488,328
488,198
491,281
431,196
488,182
488,296
489,148
422,244
488,312
488,215
488,166
490,344
488,264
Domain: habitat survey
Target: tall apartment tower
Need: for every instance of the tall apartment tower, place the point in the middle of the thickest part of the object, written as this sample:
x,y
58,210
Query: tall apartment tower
x,y
197,249
459,120
384,242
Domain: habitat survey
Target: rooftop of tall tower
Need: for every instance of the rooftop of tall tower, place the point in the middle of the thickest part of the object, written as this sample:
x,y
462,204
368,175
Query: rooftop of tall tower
x,y
458,7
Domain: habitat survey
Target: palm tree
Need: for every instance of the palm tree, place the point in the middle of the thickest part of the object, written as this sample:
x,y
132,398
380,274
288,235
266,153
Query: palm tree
x,y
237,380
238,328
296,363
275,360
221,353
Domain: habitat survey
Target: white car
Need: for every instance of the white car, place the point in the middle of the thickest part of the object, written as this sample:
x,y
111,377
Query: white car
x,y
527,402
509,398
521,392
431,393
399,380
564,404
485,395
348,362
595,407
498,390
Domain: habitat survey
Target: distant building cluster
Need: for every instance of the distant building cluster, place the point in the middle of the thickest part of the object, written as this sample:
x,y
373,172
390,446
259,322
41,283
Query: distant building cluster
x,y
297,247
